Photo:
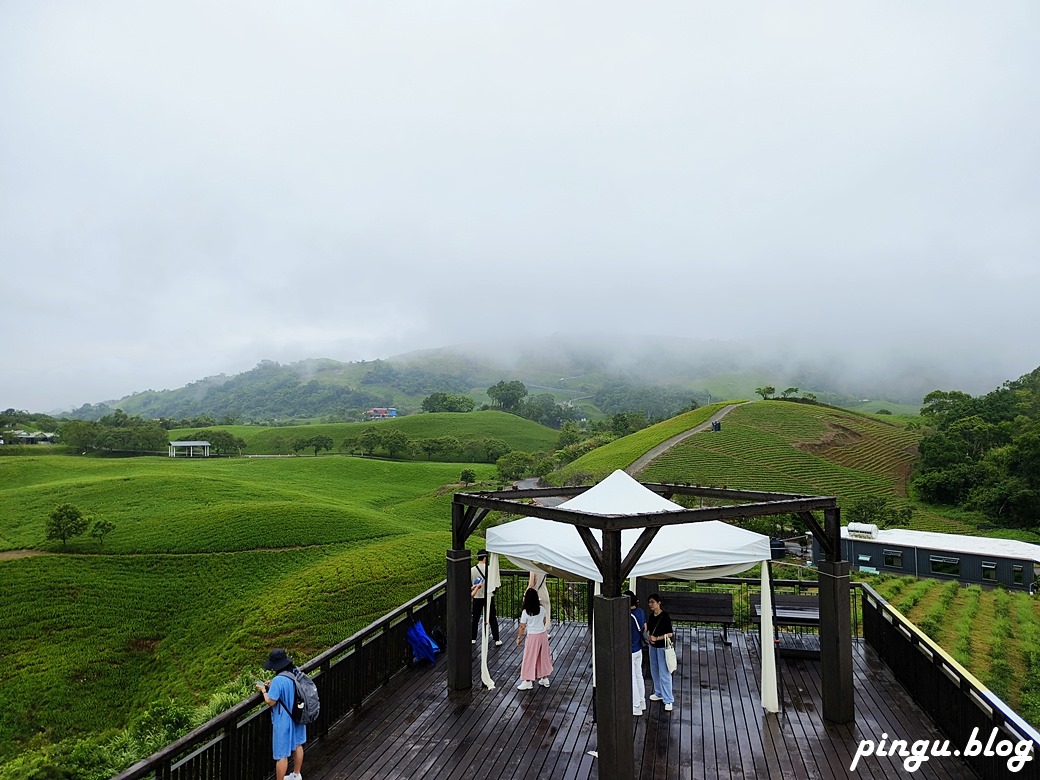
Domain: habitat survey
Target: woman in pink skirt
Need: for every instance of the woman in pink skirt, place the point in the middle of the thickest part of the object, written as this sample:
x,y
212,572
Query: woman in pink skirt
x,y
537,663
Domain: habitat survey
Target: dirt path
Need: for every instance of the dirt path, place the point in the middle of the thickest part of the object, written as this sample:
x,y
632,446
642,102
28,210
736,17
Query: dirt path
x,y
12,555
644,460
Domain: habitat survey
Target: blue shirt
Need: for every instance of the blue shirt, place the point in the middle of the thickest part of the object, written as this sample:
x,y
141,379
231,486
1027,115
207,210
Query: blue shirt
x,y
637,631
286,733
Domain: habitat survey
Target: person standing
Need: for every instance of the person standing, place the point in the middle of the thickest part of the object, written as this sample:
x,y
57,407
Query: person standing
x,y
536,580
478,590
636,626
537,662
287,736
659,628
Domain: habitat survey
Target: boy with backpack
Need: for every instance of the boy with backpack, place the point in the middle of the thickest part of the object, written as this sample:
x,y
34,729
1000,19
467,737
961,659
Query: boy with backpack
x,y
287,733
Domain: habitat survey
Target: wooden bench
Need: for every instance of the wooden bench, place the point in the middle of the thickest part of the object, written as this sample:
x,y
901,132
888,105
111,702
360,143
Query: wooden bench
x,y
793,611
789,610
701,608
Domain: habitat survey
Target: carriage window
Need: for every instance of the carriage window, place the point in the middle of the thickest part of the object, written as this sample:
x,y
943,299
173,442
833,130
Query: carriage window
x,y
1016,574
989,571
894,558
950,566
863,560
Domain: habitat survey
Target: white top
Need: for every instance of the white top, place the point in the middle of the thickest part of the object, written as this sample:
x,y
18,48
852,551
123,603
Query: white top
x,y
478,576
535,623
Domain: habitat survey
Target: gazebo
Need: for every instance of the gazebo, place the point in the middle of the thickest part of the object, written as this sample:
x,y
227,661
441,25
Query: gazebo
x,y
618,535
189,448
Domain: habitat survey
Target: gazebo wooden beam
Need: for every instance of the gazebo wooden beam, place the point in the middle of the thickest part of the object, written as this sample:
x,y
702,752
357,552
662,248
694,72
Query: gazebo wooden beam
x,y
613,522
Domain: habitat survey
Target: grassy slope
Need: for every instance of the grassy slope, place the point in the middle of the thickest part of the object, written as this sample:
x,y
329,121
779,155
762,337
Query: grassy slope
x,y
518,433
184,594
803,448
623,452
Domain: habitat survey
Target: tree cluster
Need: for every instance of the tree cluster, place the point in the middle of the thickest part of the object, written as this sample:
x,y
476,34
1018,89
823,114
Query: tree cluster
x,y
114,432
448,402
652,402
68,520
983,453
394,443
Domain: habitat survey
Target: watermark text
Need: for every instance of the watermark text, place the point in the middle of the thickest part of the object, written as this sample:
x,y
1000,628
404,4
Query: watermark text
x,y
919,751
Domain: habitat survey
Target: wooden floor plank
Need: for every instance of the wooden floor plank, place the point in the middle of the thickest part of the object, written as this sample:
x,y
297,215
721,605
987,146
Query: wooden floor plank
x,y
416,728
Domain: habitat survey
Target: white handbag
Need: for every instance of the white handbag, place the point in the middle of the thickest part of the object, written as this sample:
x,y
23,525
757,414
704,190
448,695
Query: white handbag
x,y
670,659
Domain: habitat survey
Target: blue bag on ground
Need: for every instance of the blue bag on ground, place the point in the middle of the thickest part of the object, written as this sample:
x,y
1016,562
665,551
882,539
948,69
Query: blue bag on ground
x,y
422,645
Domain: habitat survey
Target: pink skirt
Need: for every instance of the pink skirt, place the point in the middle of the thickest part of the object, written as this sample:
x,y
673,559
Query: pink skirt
x,y
537,661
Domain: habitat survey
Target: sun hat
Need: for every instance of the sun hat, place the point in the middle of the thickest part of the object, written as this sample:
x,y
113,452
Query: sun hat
x,y
278,661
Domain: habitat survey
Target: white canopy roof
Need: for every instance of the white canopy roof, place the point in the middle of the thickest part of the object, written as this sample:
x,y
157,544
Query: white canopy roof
x,y
691,551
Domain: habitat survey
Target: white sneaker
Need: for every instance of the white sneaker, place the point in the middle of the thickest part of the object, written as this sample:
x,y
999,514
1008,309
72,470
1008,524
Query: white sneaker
x,y
655,697
544,682
637,713
498,643
473,641
668,708
525,685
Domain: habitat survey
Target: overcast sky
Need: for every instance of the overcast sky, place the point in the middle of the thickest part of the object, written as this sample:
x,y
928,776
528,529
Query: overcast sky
x,y
187,188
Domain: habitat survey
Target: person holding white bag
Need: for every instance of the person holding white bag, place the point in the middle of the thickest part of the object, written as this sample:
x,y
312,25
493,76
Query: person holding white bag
x,y
660,634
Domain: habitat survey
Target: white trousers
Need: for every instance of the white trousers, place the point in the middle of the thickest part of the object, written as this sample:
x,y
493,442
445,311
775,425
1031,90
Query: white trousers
x,y
638,686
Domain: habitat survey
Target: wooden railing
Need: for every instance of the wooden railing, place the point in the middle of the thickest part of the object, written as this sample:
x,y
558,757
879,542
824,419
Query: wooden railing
x,y
236,745
571,600
957,702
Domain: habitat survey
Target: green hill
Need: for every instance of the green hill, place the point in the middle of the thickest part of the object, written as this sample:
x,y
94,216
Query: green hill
x,y
518,433
211,563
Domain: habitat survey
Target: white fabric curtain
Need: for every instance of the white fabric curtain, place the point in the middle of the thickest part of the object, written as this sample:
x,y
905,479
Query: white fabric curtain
x,y
494,581
770,696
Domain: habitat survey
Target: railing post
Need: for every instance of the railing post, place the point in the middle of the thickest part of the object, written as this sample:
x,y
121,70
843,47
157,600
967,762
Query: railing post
x,y
836,643
460,667
613,689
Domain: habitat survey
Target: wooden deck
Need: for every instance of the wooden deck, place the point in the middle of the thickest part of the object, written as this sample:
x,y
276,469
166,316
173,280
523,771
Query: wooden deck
x,y
417,729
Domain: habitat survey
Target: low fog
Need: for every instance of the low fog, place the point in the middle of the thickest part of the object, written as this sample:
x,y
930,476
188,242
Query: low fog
x,y
188,189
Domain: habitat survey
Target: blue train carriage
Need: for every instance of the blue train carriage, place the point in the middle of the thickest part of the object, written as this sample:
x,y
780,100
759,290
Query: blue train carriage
x,y
979,560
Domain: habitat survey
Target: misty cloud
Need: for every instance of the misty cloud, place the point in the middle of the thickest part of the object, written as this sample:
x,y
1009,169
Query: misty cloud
x,y
186,190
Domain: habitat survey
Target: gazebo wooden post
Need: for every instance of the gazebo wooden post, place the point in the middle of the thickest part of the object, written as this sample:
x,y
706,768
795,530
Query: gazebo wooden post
x,y
839,704
460,674
614,724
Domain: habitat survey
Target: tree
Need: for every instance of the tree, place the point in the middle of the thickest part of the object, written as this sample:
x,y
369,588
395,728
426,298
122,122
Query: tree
x,y
468,477
225,442
396,442
448,402
369,440
319,443
350,445
515,465
65,522
101,529
767,392
507,395
569,434
494,449
788,392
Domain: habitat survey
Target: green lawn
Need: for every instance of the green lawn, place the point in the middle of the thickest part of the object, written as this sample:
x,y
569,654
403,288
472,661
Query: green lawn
x,y
211,563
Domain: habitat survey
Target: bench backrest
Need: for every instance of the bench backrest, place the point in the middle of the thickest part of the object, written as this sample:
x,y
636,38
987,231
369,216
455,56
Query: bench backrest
x,y
790,601
699,607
